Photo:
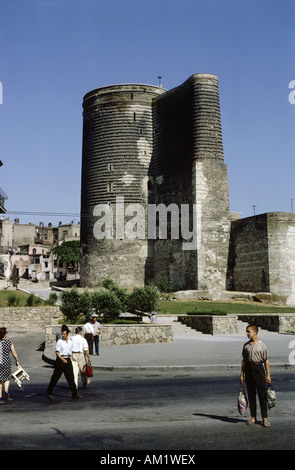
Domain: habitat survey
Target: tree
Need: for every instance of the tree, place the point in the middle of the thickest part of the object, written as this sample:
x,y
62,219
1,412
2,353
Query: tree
x,y
14,277
143,299
68,252
107,303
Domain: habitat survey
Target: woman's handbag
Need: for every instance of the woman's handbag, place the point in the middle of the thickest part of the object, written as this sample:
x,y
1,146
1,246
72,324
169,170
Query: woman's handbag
x,y
242,400
271,397
87,369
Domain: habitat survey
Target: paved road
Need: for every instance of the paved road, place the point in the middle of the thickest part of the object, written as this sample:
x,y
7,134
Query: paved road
x,y
128,410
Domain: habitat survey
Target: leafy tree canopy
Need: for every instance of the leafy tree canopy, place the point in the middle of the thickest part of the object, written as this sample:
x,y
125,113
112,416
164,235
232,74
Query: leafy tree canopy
x,y
68,252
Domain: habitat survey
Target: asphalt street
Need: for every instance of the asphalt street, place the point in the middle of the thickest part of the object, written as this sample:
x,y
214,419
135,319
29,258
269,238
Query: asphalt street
x,y
147,407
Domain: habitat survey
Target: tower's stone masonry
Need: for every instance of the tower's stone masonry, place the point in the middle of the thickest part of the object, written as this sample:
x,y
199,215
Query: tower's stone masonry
x,y
145,147
117,151
188,168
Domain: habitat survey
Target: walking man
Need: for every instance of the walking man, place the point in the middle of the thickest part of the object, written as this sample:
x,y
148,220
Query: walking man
x,y
63,364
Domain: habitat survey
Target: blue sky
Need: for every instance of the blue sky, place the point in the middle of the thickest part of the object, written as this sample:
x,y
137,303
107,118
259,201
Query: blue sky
x,y
52,52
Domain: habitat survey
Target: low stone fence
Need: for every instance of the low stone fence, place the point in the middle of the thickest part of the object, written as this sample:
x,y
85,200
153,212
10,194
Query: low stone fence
x,y
227,324
280,323
211,324
116,335
29,318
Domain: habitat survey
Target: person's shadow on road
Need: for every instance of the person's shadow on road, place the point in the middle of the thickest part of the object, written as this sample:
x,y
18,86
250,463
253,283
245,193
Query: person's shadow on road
x,y
225,419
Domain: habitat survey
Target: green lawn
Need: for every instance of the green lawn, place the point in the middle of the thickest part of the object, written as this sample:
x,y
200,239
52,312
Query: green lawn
x,y
15,298
183,307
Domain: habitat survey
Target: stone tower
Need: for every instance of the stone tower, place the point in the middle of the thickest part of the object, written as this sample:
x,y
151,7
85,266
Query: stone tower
x,y
117,151
155,148
188,168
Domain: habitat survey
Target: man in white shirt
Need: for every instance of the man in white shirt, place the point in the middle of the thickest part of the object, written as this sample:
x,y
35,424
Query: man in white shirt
x,y
79,351
63,364
97,330
88,332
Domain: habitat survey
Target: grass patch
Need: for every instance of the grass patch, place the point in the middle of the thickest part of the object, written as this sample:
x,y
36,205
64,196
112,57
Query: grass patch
x,y
10,298
178,307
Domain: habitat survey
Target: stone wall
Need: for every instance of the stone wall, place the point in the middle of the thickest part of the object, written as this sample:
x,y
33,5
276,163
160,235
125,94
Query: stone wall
x,y
262,255
282,323
29,318
281,244
248,266
116,335
211,324
227,324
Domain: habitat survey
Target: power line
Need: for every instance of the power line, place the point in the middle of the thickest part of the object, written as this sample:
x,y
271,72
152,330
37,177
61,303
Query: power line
x,y
49,214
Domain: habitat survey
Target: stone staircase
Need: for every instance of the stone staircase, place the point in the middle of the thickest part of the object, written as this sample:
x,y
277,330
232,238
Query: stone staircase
x,y
183,331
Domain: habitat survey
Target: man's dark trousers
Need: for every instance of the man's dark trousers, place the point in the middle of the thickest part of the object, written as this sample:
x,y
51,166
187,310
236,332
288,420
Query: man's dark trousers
x,y
61,368
255,381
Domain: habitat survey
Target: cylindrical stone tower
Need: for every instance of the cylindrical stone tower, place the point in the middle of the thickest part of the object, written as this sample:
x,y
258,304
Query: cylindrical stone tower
x,y
116,156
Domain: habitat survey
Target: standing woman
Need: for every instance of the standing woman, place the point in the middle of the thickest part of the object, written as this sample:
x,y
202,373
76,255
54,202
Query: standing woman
x,y
6,347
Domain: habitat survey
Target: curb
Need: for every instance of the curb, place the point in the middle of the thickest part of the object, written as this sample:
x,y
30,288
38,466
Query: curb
x,y
167,368
203,367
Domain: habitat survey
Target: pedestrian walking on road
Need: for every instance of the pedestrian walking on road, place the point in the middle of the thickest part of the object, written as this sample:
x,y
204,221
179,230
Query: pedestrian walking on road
x,y
255,367
63,364
79,351
6,348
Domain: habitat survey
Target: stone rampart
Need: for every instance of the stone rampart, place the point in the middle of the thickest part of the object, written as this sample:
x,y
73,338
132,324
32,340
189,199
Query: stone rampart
x,y
29,318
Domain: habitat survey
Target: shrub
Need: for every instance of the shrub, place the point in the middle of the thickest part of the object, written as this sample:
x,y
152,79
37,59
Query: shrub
x,y
162,284
108,303
13,300
30,300
143,299
70,304
53,297
85,305
196,311
33,300
120,292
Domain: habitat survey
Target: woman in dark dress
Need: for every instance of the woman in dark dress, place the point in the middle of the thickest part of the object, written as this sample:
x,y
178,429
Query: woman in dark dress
x,y
6,347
